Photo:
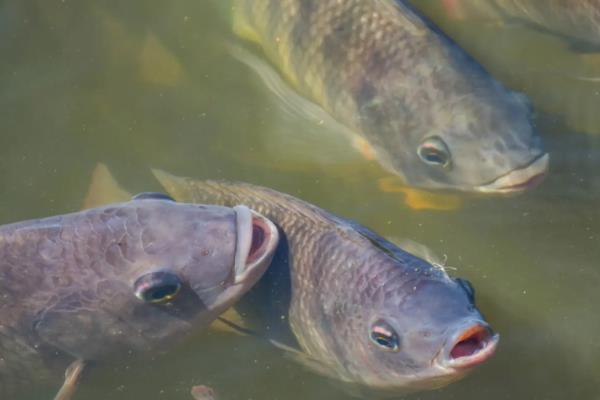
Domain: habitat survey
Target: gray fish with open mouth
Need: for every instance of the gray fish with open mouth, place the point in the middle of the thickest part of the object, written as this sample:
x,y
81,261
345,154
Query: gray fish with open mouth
x,y
118,281
411,97
356,307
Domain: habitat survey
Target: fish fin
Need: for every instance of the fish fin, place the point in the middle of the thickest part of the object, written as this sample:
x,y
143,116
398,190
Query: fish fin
x,y
364,147
418,199
73,375
241,27
158,65
422,251
300,129
174,185
396,248
202,392
232,322
104,189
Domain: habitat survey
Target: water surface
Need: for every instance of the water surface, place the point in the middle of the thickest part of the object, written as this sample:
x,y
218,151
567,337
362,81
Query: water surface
x,y
151,84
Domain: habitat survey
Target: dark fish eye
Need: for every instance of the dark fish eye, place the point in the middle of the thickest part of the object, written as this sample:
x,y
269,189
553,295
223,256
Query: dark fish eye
x,y
157,287
384,336
434,151
466,285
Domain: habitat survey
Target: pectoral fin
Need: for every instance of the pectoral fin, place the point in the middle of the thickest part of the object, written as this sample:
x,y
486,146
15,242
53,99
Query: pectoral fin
x,y
230,321
419,199
73,375
300,130
364,147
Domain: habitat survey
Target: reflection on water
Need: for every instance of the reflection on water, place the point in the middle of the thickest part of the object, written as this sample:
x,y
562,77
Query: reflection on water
x,y
150,84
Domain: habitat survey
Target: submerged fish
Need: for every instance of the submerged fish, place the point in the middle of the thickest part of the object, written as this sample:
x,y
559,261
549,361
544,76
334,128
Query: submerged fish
x,y
116,281
415,101
577,20
355,306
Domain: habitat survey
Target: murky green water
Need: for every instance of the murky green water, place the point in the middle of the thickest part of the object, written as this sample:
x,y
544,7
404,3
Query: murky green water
x,y
151,84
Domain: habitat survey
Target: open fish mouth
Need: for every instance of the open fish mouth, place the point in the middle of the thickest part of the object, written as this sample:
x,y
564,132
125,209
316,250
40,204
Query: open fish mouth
x,y
257,238
521,179
470,347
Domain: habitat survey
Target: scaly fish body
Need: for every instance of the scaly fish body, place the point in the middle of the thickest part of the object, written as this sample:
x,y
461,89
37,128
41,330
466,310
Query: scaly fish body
x,y
431,114
360,309
118,281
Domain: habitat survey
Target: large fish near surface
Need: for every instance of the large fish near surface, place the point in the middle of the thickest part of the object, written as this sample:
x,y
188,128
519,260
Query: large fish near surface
x,y
111,282
422,106
356,307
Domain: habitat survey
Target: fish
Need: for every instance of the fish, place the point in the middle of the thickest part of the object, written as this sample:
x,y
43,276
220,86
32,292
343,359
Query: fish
x,y
412,99
119,281
578,21
349,304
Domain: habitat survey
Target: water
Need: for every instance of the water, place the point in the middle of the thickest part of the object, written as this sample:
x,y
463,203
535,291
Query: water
x,y
151,84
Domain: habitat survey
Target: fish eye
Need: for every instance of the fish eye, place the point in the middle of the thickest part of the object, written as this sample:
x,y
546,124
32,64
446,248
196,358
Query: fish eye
x,y
157,287
384,336
466,285
434,151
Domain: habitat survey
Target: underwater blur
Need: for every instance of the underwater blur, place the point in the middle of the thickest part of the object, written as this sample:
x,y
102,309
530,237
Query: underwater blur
x,y
475,132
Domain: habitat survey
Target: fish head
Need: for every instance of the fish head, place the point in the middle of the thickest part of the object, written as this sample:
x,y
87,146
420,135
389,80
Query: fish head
x,y
203,258
476,137
413,334
166,269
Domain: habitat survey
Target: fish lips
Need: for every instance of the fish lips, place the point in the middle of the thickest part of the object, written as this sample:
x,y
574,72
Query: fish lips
x,y
520,179
257,239
470,346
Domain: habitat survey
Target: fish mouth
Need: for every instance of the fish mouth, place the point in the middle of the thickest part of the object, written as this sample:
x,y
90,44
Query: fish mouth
x,y
470,347
520,179
257,238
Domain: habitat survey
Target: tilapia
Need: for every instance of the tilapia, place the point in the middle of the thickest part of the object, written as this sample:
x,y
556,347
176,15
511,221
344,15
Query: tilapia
x,y
410,96
576,20
119,281
350,304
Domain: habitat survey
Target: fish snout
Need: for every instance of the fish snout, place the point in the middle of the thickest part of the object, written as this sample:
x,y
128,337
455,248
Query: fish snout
x,y
257,238
520,179
470,346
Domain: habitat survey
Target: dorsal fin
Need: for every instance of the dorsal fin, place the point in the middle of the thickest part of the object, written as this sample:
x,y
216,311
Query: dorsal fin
x,y
104,189
152,196
279,207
